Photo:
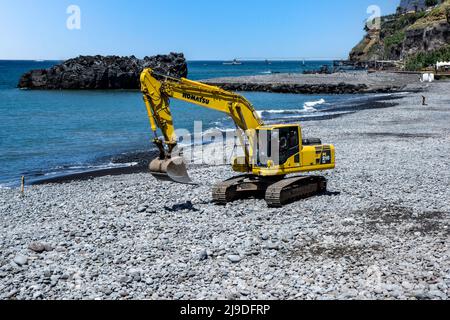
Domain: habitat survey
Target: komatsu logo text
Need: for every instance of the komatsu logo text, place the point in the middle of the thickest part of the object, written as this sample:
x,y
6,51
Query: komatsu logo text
x,y
195,98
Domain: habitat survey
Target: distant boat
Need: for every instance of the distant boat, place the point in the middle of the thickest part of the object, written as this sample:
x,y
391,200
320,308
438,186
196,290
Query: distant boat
x,y
235,62
39,60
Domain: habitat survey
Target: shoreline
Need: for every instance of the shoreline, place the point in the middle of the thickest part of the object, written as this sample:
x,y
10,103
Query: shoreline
x,y
88,175
142,158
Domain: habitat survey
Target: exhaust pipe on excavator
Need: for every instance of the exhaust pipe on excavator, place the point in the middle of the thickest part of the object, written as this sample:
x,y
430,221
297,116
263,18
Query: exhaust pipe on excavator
x,y
172,169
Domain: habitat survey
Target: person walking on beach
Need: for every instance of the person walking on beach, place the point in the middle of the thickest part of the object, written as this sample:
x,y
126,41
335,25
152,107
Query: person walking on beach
x,y
424,101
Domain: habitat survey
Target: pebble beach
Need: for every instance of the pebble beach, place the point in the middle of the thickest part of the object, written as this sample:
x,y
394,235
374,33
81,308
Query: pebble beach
x,y
380,232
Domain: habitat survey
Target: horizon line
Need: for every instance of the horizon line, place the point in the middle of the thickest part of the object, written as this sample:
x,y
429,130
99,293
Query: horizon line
x,y
198,60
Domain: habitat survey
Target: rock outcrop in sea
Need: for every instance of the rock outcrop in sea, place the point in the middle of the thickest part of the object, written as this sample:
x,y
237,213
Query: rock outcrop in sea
x,y
102,72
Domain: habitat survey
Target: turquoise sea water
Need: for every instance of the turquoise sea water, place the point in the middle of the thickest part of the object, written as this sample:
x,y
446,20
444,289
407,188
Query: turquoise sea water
x,y
55,132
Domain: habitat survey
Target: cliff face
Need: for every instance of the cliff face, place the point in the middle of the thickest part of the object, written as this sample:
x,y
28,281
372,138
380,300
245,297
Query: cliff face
x,y
100,72
427,38
403,35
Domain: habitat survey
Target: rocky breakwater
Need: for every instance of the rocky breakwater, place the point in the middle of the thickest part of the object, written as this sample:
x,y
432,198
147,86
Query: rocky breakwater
x,y
102,72
336,83
324,88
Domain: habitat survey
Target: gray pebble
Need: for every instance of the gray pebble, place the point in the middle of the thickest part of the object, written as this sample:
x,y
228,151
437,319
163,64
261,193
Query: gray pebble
x,y
142,209
203,255
37,247
20,259
272,246
234,258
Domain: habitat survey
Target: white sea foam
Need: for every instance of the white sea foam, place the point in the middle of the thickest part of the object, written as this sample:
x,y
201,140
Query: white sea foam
x,y
263,113
308,116
217,129
191,140
307,107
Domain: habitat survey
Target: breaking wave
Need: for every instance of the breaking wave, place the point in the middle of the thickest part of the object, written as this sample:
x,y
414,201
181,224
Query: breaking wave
x,y
307,107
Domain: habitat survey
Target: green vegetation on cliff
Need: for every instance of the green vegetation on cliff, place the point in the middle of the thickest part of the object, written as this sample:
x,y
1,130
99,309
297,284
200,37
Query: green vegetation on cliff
x,y
381,44
393,40
416,37
440,13
424,59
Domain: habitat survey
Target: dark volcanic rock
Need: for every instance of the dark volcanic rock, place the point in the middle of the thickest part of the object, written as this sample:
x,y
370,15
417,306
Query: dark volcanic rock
x,y
323,70
295,88
102,72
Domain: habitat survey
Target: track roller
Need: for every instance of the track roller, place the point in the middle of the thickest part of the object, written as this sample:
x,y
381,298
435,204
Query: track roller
x,y
292,189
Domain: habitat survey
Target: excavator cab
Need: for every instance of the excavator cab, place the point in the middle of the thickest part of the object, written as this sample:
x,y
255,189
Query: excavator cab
x,y
281,149
276,145
289,144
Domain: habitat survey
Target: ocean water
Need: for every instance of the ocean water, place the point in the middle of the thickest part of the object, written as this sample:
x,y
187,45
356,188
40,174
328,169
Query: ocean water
x,y
45,133
215,69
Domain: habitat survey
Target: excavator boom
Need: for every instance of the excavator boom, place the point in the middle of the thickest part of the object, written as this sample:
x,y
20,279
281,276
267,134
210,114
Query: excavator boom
x,y
157,94
159,89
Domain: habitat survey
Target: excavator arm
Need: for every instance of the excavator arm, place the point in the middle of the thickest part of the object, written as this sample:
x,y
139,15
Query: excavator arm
x,y
157,94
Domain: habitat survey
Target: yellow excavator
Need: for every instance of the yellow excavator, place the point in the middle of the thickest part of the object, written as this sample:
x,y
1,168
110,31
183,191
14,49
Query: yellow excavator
x,y
271,152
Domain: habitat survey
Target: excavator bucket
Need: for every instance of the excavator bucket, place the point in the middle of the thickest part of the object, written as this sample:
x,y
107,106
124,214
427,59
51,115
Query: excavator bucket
x,y
173,170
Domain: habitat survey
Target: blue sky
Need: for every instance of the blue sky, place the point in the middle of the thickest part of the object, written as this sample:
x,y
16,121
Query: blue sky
x,y
202,29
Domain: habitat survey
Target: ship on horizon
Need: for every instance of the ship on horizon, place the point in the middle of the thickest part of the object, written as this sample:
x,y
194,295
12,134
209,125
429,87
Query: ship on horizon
x,y
235,62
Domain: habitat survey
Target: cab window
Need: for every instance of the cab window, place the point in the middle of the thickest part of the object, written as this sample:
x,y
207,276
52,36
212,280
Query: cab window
x,y
289,143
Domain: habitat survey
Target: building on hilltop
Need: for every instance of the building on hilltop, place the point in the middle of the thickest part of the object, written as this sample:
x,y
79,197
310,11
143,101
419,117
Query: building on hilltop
x,y
412,5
